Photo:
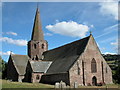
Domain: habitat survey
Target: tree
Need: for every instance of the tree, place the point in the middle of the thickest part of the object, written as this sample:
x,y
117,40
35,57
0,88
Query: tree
x,y
3,68
116,75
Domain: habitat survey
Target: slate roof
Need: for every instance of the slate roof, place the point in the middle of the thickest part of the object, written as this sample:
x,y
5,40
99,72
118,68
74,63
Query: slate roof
x,y
20,63
40,66
65,56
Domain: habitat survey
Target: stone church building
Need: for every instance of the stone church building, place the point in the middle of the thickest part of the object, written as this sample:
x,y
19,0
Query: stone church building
x,y
80,61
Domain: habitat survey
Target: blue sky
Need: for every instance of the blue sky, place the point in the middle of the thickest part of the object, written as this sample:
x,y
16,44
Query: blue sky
x,y
62,22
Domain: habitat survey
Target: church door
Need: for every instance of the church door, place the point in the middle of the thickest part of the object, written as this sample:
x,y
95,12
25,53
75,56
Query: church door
x,y
94,81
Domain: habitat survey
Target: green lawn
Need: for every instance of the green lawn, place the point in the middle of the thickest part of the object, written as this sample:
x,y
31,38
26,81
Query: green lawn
x,y
8,84
105,86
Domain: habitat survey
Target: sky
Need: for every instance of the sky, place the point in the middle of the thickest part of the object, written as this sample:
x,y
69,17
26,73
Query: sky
x,y
62,23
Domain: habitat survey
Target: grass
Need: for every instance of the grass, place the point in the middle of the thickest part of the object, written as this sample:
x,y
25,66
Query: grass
x,y
105,86
8,84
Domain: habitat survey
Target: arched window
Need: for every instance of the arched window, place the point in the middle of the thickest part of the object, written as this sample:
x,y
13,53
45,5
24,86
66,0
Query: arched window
x,y
106,70
42,46
37,77
78,68
33,58
35,46
93,66
36,58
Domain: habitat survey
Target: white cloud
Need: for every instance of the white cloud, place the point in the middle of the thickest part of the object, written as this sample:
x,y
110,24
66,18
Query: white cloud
x,y
109,53
19,42
110,8
114,43
6,53
48,34
11,33
70,28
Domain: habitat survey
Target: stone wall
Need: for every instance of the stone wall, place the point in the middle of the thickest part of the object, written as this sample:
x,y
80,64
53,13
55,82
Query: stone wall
x,y
85,77
20,78
76,74
36,77
36,49
53,78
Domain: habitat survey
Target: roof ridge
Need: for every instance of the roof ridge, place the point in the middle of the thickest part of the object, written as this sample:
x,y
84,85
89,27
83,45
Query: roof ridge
x,y
18,54
68,43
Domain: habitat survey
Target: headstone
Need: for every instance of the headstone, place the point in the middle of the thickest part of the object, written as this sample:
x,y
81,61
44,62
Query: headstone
x,y
75,85
67,86
62,84
57,85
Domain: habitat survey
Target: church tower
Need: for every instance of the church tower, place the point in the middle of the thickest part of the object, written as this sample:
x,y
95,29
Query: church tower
x,y
37,45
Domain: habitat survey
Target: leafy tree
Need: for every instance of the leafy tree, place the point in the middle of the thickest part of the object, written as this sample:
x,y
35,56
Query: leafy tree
x,y
115,66
3,68
117,74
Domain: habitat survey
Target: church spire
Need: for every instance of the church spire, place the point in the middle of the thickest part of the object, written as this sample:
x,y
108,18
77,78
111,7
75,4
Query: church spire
x,y
37,33
37,45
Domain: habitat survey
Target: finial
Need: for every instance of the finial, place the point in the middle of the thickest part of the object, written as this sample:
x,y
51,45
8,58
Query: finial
x,y
10,52
90,32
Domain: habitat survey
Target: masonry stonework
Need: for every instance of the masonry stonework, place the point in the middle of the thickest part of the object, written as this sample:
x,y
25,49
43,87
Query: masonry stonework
x,y
89,53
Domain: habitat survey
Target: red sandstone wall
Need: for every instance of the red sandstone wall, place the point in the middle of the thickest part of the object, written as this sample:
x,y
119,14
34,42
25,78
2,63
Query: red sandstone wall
x,y
34,75
90,52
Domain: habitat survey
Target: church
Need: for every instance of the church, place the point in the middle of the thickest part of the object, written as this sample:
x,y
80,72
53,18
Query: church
x,y
80,61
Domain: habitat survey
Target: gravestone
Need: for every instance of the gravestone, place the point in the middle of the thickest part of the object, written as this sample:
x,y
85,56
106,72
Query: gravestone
x,y
67,86
62,84
57,85
75,85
